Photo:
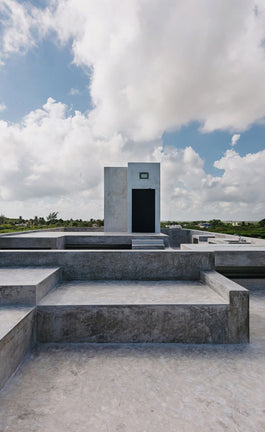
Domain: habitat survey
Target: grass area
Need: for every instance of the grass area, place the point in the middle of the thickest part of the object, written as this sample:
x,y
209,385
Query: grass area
x,y
8,225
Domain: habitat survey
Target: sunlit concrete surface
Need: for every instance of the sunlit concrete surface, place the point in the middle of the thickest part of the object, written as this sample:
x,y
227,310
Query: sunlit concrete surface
x,y
11,276
131,292
153,388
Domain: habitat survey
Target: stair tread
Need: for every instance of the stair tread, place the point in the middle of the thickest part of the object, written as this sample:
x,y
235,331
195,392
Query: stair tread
x,y
131,293
14,276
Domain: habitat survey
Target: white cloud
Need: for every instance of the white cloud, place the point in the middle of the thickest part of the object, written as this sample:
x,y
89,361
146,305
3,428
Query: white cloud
x,y
53,161
3,107
154,66
235,139
157,65
74,92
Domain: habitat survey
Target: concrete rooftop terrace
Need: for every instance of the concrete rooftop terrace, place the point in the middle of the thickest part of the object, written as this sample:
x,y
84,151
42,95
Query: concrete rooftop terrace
x,y
141,387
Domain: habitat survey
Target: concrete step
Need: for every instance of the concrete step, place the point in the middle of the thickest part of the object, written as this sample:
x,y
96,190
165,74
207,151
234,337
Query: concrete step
x,y
132,311
148,243
26,285
16,338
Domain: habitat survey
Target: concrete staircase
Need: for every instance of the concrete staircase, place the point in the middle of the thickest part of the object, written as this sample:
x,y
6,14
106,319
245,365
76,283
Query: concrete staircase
x,y
37,305
148,243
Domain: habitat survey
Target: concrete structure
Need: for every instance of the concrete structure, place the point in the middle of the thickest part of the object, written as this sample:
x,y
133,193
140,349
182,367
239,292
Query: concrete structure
x,y
63,294
132,198
141,387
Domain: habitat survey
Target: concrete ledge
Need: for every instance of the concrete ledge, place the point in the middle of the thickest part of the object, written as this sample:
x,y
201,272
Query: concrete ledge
x,y
23,242
16,339
238,297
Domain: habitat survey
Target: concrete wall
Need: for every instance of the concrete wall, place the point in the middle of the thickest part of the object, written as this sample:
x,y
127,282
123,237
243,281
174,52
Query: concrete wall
x,y
115,199
238,298
119,265
153,182
14,346
176,236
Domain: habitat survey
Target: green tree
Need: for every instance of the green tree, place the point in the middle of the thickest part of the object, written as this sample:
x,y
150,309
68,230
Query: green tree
x,y
52,217
262,223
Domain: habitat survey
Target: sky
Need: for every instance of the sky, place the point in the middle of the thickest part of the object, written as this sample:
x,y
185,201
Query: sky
x,y
91,83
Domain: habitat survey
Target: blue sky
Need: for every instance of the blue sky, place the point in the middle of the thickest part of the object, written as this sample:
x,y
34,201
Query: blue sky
x,y
147,88
47,70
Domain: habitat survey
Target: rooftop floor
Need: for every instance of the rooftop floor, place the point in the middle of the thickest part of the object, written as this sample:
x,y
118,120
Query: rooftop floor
x,y
138,387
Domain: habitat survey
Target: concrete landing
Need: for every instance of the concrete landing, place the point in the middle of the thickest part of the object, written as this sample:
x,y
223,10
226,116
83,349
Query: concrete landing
x,y
26,285
131,293
16,337
133,311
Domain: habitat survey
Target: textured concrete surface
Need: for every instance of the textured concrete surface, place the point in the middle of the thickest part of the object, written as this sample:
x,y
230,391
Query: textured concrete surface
x,y
16,337
111,264
136,388
132,292
116,199
238,298
150,311
26,285
134,323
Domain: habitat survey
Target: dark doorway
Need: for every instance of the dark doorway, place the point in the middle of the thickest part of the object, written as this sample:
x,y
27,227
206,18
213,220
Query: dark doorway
x,y
143,210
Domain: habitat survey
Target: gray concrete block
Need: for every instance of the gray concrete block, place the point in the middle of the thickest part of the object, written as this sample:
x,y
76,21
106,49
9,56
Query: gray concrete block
x,y
26,285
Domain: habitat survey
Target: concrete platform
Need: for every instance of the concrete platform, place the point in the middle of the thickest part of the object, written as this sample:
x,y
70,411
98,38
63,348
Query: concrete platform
x,y
16,338
26,285
131,293
136,388
134,311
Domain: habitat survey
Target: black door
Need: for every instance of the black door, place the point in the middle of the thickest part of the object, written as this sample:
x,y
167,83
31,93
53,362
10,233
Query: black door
x,y
143,210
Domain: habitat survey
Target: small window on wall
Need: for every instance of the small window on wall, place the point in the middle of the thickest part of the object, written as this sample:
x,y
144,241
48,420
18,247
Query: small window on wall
x,y
144,175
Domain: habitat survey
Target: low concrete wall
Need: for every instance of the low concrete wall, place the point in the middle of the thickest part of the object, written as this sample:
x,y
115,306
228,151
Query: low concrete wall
x,y
127,265
32,242
238,297
176,236
132,324
15,345
240,258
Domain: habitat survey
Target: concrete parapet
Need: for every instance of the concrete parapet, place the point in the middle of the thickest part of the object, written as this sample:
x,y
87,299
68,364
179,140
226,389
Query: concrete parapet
x,y
238,298
109,264
16,338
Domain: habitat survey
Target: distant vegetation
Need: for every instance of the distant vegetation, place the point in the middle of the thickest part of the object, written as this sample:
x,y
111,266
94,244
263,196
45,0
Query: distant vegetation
x,y
51,221
247,229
